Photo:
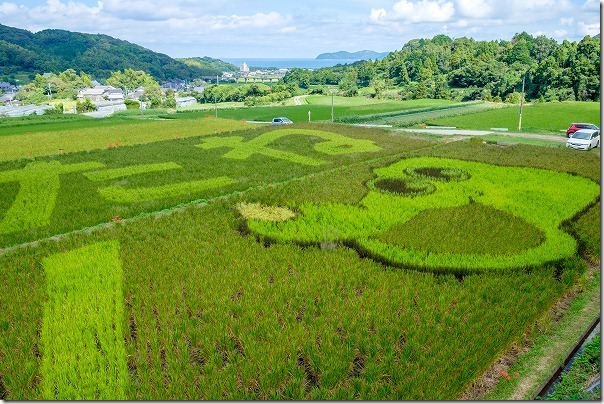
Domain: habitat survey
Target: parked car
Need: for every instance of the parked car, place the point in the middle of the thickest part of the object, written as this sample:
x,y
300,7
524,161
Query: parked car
x,y
281,121
576,126
584,139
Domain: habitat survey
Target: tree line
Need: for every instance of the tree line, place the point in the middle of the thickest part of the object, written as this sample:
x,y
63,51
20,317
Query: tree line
x,y
466,69
441,68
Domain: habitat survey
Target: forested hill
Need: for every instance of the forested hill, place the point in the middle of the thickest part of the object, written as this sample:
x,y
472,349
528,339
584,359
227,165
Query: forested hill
x,y
468,69
55,51
212,66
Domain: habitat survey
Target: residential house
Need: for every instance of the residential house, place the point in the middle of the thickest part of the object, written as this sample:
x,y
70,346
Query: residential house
x,y
101,93
8,87
7,99
93,94
111,106
136,94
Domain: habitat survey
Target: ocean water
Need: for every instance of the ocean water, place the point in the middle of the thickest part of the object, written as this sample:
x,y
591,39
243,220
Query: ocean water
x,y
287,63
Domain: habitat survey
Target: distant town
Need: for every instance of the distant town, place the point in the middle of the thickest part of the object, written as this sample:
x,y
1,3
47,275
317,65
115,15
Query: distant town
x,y
108,99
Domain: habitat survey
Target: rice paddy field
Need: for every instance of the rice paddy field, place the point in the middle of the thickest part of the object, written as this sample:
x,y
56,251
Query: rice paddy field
x,y
200,258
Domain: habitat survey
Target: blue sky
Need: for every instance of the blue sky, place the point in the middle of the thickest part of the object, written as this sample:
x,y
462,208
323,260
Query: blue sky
x,y
301,29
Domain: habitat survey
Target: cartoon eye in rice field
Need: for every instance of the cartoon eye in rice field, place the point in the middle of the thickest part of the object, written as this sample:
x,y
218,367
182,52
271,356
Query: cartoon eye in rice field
x,y
443,215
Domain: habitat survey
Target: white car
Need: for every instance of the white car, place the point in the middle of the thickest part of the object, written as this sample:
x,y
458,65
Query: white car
x,y
584,139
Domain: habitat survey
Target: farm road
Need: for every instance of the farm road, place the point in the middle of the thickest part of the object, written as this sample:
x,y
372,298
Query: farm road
x,y
465,132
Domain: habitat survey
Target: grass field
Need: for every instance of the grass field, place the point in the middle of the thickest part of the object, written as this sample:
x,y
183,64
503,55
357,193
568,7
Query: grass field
x,y
191,300
540,117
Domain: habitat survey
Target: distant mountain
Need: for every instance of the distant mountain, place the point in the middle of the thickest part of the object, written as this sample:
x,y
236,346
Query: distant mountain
x,y
360,55
55,51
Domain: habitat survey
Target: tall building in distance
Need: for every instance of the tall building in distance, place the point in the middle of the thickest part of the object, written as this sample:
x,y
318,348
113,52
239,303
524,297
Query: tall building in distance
x,y
244,68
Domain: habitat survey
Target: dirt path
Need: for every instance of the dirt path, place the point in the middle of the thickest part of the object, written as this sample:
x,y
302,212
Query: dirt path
x,y
564,331
466,132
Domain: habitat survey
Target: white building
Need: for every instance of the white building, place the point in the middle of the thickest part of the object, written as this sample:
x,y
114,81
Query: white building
x,y
244,68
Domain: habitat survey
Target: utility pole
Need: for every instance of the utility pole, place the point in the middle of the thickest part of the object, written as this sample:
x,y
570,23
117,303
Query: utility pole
x,y
49,92
521,102
332,106
215,104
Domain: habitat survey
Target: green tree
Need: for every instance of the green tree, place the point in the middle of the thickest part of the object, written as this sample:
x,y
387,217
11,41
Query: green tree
x,y
131,79
348,84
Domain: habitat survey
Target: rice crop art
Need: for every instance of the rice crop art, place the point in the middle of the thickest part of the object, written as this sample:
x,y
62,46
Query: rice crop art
x,y
83,356
333,144
39,185
116,193
390,220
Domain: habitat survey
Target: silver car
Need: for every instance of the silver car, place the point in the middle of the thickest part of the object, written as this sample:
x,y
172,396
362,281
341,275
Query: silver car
x,y
281,121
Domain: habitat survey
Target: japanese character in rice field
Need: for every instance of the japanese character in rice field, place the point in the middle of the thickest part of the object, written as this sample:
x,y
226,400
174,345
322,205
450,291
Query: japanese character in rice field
x,y
332,144
39,184
120,194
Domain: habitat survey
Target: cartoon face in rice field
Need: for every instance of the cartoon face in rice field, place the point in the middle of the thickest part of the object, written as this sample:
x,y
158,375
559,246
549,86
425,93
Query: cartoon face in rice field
x,y
415,200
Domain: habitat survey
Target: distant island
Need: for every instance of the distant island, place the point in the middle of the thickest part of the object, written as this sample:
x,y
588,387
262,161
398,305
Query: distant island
x,y
360,55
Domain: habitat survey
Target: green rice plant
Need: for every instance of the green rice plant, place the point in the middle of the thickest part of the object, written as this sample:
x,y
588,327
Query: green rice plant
x,y
212,314
131,195
35,143
426,116
79,204
83,355
454,230
447,109
114,173
589,230
334,144
402,186
514,190
39,185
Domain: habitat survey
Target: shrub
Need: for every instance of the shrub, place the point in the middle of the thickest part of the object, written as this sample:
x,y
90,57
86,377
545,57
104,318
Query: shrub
x,y
132,104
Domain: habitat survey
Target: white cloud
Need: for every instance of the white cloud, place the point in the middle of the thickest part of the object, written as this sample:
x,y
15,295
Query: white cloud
x,y
143,10
589,29
378,14
404,11
475,8
567,21
8,9
258,20
300,29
